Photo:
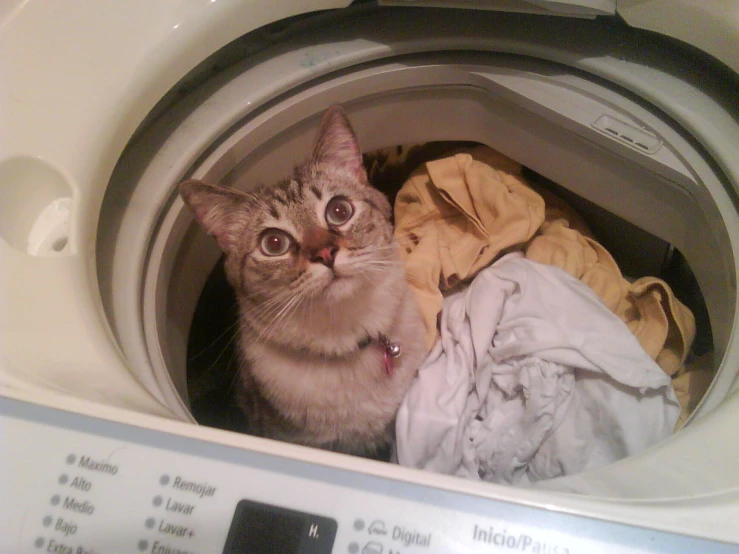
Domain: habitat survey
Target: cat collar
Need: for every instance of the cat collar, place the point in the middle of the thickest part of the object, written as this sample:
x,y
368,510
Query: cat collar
x,y
390,350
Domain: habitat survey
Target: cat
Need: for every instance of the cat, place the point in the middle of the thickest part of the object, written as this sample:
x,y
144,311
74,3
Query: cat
x,y
330,336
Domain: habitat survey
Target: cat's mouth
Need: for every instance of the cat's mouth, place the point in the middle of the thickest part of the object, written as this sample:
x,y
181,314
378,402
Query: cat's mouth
x,y
335,276
323,278
337,286
335,273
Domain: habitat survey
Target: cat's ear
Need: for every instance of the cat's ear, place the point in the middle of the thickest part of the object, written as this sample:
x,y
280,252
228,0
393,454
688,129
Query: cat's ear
x,y
216,208
336,144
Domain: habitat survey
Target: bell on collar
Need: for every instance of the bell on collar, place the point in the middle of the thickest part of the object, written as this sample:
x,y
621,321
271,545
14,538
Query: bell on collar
x,y
393,349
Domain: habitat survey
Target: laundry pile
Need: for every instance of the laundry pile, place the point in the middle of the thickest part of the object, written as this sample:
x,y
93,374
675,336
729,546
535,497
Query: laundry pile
x,y
532,378
544,360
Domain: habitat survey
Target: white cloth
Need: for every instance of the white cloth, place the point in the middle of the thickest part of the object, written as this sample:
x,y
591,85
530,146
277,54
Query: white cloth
x,y
532,378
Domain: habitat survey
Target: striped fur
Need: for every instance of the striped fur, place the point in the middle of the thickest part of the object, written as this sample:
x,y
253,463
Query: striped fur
x,y
305,376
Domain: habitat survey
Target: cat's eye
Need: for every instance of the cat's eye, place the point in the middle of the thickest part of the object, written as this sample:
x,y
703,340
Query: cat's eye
x,y
339,210
274,242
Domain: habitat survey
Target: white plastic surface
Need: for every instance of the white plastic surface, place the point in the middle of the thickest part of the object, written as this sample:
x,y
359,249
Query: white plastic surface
x,y
81,128
183,501
77,78
131,468
709,25
50,234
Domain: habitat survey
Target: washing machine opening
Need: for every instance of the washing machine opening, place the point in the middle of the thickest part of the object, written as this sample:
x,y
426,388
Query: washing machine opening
x,y
655,198
213,361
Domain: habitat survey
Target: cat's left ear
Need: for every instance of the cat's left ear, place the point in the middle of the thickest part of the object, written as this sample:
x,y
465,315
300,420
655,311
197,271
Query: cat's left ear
x,y
217,209
336,144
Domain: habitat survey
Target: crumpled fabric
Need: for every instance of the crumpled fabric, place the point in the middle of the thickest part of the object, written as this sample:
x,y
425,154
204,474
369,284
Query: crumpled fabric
x,y
533,378
691,385
663,325
455,215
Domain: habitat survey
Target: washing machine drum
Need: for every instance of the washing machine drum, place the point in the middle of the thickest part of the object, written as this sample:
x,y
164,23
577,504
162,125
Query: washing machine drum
x,y
590,105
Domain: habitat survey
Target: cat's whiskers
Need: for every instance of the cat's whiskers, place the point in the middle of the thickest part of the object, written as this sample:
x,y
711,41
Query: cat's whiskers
x,y
195,383
263,309
237,373
391,252
278,308
295,307
267,324
282,315
376,253
277,323
391,247
373,257
214,341
234,337
260,312
374,269
371,262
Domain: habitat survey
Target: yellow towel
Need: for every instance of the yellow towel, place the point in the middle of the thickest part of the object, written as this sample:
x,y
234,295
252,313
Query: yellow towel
x,y
454,216
692,385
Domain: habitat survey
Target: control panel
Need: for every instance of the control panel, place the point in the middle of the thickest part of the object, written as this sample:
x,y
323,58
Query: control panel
x,y
78,485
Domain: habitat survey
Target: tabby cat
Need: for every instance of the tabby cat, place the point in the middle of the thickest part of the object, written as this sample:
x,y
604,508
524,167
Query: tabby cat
x,y
330,336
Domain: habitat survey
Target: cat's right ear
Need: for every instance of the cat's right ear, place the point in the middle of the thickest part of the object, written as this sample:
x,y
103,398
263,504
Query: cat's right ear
x,y
216,208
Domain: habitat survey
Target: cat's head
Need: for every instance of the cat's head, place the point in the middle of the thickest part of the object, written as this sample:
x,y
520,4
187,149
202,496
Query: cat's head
x,y
324,232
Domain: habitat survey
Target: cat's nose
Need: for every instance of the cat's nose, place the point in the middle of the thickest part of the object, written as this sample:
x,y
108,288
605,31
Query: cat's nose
x,y
325,256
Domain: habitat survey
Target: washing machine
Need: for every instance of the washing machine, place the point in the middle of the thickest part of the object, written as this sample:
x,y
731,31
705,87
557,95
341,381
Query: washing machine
x,y
630,106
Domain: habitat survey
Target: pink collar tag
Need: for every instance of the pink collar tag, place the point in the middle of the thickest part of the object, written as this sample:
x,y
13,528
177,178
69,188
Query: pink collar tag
x,y
388,360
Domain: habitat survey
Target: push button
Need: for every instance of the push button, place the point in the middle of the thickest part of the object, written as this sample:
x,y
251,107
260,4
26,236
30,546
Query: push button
x,y
263,529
